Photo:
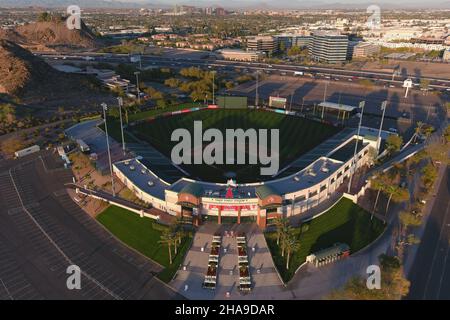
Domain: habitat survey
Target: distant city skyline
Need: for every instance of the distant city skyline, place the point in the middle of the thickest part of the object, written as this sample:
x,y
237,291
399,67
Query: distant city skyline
x,y
235,4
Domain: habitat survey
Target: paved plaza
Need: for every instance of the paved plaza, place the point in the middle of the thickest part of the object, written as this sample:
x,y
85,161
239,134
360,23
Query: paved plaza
x,y
266,283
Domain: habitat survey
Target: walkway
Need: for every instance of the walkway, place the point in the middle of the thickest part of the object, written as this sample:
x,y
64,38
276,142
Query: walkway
x,y
266,284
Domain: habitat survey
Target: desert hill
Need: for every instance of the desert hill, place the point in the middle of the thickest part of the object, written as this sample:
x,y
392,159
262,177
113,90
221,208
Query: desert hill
x,y
51,35
35,82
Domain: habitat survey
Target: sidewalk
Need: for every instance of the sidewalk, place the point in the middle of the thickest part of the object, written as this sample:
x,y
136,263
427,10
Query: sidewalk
x,y
411,252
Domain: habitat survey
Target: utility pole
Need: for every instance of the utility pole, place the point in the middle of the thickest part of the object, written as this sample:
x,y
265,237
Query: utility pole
x,y
303,104
383,107
352,172
325,91
290,104
105,107
120,100
137,73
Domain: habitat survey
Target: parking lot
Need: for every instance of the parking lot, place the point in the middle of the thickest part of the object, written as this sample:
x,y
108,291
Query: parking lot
x,y
304,91
42,232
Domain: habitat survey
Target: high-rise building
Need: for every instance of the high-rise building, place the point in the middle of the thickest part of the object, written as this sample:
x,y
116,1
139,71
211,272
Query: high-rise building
x,y
266,44
220,11
329,47
209,11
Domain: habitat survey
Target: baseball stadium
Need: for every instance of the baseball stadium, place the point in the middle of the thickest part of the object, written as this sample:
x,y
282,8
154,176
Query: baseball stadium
x,y
315,160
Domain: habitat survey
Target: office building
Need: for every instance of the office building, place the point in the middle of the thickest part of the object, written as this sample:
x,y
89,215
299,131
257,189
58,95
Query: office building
x,y
266,44
364,49
329,47
239,55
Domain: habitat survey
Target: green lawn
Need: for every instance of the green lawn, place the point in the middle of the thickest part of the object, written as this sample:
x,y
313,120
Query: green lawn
x,y
345,223
297,136
143,235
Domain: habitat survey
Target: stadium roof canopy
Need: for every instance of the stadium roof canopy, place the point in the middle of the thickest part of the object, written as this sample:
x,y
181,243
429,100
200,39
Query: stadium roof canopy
x,y
193,189
337,106
265,191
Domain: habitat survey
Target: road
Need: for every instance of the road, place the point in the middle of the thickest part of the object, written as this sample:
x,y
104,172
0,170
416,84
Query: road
x,y
42,232
185,62
430,272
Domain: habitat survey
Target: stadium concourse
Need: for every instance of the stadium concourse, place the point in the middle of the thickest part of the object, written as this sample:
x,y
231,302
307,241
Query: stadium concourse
x,y
300,186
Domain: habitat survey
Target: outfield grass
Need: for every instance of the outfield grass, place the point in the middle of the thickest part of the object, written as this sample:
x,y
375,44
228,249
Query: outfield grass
x,y
345,222
297,136
155,112
143,234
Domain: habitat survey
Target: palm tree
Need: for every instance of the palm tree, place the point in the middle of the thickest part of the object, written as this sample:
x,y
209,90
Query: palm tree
x,y
397,194
285,233
292,244
418,130
168,239
280,224
378,183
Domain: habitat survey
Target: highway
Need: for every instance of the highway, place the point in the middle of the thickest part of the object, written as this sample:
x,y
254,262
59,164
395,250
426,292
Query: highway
x,y
309,71
430,272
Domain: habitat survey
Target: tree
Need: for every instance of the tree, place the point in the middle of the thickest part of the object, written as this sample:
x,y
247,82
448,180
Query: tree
x,y
397,194
44,17
407,219
424,84
172,82
394,143
394,286
7,114
167,239
429,175
418,130
292,244
280,225
438,152
447,134
379,183
12,144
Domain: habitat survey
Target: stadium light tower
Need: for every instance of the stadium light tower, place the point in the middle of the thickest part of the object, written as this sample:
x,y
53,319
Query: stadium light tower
x,y
137,73
105,108
354,161
257,90
213,88
383,107
120,100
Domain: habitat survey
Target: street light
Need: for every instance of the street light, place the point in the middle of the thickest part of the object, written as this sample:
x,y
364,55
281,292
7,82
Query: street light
x,y
352,172
120,100
105,107
137,73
